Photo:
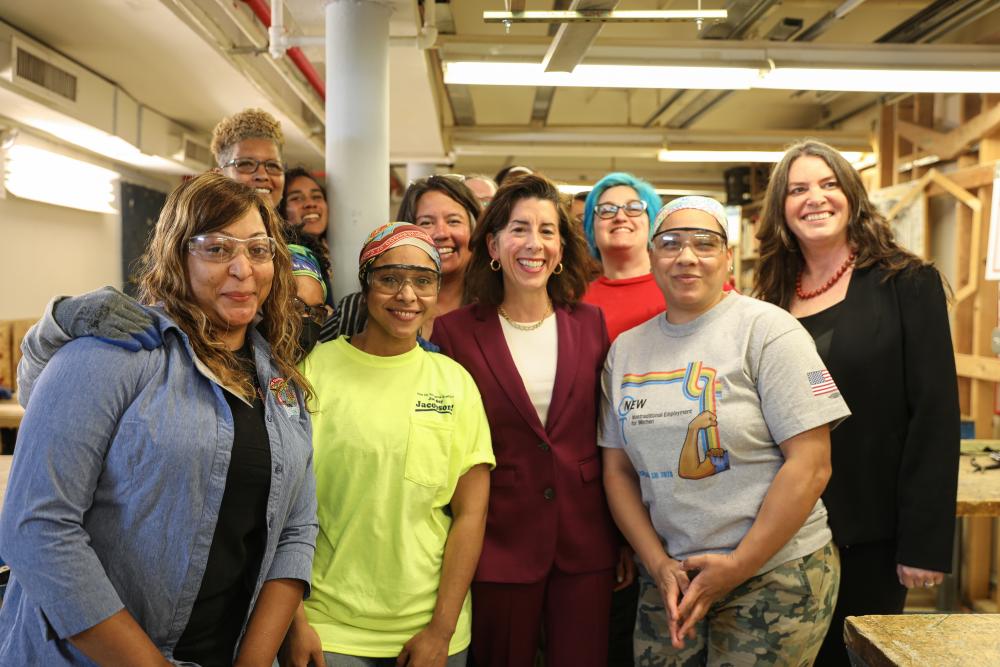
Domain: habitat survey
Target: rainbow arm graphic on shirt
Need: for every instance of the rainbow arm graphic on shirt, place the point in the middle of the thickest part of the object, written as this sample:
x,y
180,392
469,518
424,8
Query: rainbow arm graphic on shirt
x,y
702,454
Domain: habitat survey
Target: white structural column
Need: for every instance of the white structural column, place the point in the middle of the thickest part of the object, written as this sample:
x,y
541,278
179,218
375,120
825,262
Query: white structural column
x,y
357,130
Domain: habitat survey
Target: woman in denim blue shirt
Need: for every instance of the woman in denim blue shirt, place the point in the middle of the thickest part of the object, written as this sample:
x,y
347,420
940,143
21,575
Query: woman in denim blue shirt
x,y
161,506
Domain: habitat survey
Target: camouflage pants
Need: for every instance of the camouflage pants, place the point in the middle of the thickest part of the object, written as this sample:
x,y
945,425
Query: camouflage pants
x,y
777,618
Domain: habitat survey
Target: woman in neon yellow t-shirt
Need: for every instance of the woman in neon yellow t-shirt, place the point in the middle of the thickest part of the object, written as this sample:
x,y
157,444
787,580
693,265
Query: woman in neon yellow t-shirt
x,y
402,456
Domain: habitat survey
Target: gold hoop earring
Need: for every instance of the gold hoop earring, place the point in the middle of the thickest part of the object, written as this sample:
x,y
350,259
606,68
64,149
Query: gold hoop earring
x,y
495,265
558,270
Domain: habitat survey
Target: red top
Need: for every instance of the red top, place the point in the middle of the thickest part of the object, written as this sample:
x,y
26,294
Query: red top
x,y
627,302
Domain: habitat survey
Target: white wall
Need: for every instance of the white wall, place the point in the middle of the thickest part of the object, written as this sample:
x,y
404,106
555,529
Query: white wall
x,y
47,250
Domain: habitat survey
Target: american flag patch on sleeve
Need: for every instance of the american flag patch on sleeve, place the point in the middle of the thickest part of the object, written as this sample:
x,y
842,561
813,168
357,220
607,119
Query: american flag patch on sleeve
x,y
821,383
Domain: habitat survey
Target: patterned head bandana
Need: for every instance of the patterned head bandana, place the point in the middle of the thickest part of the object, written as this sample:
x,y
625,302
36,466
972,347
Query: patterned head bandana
x,y
393,235
304,263
705,204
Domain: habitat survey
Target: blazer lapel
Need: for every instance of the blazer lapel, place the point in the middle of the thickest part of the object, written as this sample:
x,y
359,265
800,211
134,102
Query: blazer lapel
x,y
569,337
493,346
857,322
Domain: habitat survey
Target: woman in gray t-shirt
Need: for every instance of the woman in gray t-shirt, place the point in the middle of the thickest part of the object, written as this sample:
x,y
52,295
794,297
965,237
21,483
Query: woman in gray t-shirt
x,y
716,429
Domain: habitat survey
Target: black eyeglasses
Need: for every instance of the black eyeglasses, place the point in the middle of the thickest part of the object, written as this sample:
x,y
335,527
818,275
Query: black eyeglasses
x,y
315,314
633,209
249,165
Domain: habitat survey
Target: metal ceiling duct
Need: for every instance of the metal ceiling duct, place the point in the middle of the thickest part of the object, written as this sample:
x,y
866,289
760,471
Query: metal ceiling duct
x,y
828,19
928,25
936,19
744,14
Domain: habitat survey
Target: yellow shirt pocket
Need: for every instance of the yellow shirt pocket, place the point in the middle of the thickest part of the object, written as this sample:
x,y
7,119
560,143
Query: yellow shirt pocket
x,y
428,452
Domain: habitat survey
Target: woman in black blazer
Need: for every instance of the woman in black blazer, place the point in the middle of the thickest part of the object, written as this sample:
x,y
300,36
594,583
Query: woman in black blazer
x,y
879,318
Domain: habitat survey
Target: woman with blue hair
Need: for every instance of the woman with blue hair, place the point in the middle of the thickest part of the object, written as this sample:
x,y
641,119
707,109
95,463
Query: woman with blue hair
x,y
616,219
616,222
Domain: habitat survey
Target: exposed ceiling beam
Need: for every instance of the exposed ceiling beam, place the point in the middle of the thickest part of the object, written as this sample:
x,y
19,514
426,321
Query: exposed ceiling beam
x,y
514,5
696,108
461,104
660,110
224,27
973,13
707,100
634,134
604,15
731,53
928,20
572,40
827,20
743,14
623,142
542,104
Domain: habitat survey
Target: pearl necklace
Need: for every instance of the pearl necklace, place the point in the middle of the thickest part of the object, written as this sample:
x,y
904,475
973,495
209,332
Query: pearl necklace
x,y
829,283
525,327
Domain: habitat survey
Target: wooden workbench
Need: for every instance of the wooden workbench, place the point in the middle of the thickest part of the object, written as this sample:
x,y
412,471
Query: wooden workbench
x,y
925,640
10,413
978,492
4,472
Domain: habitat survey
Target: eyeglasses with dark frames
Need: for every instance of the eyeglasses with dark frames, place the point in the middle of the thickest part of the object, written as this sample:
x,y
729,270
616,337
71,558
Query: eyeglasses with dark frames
x,y
317,314
249,165
633,209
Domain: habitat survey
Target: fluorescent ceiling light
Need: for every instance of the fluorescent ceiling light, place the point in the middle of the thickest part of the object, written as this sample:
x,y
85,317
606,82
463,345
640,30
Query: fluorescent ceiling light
x,y
881,80
725,78
666,155
606,16
108,145
600,76
44,176
574,188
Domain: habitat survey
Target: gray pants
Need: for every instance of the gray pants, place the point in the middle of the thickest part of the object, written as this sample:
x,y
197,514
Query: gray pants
x,y
341,660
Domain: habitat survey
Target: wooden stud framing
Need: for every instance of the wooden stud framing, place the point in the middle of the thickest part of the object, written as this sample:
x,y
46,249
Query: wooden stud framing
x,y
906,133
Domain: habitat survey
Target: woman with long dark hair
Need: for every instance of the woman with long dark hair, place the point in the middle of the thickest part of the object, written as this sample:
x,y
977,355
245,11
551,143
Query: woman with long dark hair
x,y
879,318
536,352
161,503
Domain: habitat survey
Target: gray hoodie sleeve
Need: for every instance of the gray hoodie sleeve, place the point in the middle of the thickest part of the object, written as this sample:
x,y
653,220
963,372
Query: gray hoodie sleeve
x,y
40,343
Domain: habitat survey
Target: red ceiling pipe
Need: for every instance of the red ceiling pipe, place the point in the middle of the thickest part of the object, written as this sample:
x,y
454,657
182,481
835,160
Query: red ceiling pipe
x,y
262,9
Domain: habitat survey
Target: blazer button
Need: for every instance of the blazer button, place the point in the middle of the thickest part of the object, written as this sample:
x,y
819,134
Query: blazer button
x,y
544,446
549,494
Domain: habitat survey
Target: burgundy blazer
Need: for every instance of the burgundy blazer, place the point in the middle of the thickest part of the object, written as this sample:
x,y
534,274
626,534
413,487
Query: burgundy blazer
x,y
547,506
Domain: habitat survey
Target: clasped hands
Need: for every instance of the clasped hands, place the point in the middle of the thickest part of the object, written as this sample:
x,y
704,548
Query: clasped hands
x,y
690,587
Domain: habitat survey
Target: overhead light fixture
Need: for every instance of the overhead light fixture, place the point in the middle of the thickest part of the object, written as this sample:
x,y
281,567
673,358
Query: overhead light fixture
x,y
736,156
492,73
108,145
880,80
575,188
606,16
41,175
600,76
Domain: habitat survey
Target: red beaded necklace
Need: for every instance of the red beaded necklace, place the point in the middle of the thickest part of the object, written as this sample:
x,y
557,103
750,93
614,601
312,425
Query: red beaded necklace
x,y
829,283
